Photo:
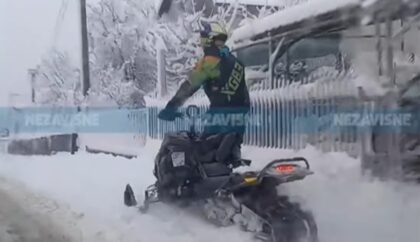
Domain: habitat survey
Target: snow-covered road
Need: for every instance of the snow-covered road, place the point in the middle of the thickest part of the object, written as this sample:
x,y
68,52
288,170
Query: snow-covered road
x,y
82,195
18,223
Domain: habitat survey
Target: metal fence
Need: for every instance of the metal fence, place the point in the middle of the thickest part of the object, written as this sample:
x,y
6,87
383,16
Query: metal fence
x,y
292,115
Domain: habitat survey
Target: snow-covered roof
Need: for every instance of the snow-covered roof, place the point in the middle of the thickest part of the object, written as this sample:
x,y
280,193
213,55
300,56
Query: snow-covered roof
x,y
328,14
255,29
251,2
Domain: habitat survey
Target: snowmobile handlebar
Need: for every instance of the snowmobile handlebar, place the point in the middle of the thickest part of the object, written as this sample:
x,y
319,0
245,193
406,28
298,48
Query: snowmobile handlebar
x,y
191,113
192,110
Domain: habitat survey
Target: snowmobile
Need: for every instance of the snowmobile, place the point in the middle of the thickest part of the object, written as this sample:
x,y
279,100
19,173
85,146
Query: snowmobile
x,y
189,177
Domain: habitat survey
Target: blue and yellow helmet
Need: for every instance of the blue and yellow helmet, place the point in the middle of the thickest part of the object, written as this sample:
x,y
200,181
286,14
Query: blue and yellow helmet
x,y
211,31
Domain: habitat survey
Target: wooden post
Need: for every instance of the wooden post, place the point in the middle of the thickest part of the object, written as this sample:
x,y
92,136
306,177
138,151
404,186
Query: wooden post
x,y
390,51
402,38
379,47
32,78
271,62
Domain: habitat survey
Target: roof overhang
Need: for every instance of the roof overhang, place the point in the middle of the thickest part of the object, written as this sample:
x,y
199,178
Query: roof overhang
x,y
249,2
333,17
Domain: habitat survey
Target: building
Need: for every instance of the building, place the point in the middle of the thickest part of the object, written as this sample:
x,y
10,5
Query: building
x,y
252,6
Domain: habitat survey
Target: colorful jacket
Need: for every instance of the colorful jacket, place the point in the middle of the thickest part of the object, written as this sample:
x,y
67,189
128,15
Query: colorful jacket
x,y
223,78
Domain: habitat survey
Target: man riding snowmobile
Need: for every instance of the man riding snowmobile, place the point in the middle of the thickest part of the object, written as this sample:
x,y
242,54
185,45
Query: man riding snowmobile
x,y
223,78
194,170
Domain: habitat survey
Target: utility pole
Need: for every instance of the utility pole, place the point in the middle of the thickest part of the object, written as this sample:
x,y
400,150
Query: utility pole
x,y
85,48
32,78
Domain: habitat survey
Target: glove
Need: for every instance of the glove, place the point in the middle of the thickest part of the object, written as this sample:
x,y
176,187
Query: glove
x,y
169,114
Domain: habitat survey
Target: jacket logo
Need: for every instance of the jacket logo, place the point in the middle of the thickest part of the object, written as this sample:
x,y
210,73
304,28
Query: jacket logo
x,y
234,81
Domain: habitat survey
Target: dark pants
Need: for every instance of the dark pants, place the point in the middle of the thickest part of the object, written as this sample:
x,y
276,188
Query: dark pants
x,y
229,122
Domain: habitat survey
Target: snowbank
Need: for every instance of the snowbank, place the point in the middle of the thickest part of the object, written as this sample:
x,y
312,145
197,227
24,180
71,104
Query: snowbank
x,y
347,206
91,187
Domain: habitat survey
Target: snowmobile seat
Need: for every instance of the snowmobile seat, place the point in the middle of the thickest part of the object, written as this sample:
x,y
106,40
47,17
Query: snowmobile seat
x,y
216,169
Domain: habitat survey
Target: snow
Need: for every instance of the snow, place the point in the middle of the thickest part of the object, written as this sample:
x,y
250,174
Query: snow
x,y
91,186
290,15
122,143
348,206
156,101
85,192
255,74
253,2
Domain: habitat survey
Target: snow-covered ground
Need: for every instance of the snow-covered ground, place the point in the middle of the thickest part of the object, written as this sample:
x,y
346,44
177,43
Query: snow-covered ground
x,y
20,221
84,193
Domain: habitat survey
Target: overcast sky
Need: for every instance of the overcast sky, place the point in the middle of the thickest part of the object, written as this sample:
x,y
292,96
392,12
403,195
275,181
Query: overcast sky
x,y
27,33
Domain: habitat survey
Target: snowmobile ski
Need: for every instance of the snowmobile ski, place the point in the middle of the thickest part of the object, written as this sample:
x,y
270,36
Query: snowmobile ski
x,y
129,197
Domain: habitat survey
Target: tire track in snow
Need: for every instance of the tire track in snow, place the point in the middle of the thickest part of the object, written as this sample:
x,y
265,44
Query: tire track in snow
x,y
19,224
29,217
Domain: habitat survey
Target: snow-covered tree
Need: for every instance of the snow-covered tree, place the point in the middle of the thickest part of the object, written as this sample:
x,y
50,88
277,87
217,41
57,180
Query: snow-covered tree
x,y
58,80
122,62
124,37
